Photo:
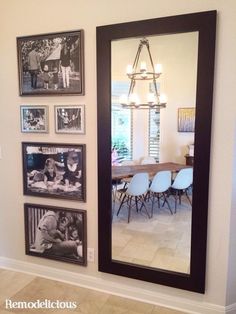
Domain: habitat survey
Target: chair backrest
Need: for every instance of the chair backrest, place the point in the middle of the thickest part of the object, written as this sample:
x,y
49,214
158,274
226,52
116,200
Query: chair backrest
x,y
147,160
138,184
183,179
161,182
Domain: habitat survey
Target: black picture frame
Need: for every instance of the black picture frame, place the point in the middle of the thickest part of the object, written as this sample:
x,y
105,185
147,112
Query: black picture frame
x,y
51,64
66,233
54,170
205,24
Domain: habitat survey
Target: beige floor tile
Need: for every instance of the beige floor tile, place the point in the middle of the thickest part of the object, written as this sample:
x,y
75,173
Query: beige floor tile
x,y
125,259
93,302
139,251
179,264
154,241
116,250
29,288
161,262
162,310
42,289
12,282
121,239
110,309
141,262
129,305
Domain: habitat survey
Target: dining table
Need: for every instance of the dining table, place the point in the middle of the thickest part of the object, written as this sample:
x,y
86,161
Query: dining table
x,y
120,172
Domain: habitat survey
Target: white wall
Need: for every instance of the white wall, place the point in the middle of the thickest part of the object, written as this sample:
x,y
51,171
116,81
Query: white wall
x,y
27,17
231,286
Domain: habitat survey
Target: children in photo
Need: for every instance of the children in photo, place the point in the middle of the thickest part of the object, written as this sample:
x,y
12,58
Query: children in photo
x,y
74,120
65,118
74,233
46,77
50,237
49,172
30,120
73,172
55,77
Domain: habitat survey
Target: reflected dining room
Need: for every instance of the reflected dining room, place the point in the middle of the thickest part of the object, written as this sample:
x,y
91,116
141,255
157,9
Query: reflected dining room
x,y
151,214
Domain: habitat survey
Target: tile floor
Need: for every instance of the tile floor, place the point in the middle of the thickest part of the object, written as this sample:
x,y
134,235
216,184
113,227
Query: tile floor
x,y
22,287
161,242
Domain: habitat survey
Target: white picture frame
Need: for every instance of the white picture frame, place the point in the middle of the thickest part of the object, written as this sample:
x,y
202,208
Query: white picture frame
x,y
69,119
34,119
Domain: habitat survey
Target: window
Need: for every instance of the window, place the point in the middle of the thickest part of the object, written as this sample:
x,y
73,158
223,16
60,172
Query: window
x,y
122,124
154,134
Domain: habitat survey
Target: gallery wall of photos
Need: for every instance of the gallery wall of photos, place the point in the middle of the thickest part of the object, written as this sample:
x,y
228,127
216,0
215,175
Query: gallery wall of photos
x,y
53,65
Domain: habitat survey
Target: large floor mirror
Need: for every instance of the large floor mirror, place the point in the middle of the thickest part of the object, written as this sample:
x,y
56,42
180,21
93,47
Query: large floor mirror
x,y
155,82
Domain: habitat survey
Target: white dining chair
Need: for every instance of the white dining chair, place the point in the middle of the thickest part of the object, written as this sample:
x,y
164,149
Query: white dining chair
x,y
135,193
128,163
182,182
147,160
159,188
127,180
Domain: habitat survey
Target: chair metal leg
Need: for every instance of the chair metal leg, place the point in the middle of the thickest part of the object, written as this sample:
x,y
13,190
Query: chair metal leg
x,y
129,208
143,205
176,196
121,204
152,204
179,192
166,201
188,197
136,203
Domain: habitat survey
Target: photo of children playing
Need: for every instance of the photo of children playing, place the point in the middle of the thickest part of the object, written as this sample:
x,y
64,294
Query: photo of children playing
x,y
51,63
34,119
54,170
69,119
56,233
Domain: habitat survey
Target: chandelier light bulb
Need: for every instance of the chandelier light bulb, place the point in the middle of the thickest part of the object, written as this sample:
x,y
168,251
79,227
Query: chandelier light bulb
x,y
158,68
134,99
143,66
151,98
163,99
129,69
123,99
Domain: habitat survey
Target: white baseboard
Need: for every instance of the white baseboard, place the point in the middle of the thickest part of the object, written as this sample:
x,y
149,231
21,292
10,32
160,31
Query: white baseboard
x,y
231,309
112,287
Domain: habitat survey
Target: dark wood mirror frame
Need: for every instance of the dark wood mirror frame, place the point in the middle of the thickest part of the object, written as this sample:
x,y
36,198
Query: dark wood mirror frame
x,y
205,24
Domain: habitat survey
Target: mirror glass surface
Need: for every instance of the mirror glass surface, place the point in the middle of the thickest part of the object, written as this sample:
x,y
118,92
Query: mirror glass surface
x,y
166,243
163,137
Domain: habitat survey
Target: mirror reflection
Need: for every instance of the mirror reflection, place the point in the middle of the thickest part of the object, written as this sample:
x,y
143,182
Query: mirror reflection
x,y
153,150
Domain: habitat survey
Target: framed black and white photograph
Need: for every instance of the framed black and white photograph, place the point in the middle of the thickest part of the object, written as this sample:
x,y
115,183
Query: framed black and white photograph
x,y
56,233
54,170
34,119
70,119
51,64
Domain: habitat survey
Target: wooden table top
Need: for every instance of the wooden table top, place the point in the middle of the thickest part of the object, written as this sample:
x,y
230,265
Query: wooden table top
x,y
119,172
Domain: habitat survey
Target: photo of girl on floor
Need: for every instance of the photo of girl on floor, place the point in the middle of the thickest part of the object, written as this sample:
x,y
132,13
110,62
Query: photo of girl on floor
x,y
55,171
